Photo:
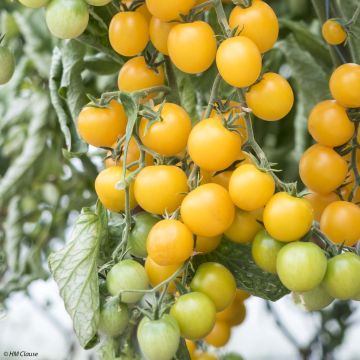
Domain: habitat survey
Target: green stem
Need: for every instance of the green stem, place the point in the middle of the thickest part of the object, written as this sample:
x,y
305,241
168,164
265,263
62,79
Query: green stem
x,y
171,78
138,94
220,13
213,94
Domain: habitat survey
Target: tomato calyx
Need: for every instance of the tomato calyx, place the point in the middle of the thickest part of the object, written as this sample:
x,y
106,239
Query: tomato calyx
x,y
153,59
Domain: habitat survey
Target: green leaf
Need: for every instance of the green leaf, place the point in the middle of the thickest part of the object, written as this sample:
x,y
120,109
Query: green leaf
x,y
107,350
187,95
101,64
74,268
182,352
238,259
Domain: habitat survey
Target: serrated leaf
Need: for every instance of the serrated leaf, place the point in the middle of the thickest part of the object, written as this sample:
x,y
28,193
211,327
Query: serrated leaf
x,y
74,269
238,259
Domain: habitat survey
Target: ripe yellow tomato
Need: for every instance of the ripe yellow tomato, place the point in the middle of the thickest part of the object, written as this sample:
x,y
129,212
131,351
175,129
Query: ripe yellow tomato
x,y
132,156
319,202
112,198
169,10
213,147
271,98
239,61
340,221
206,244
207,210
159,33
142,9
245,226
170,242
333,32
128,33
102,126
287,218
322,169
157,273
160,188
235,313
192,46
136,75
167,136
206,356
345,85
241,295
329,124
250,188
219,335
191,346
258,22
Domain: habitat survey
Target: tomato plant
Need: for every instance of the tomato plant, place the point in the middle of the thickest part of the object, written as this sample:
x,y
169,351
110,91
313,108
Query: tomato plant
x,y
114,318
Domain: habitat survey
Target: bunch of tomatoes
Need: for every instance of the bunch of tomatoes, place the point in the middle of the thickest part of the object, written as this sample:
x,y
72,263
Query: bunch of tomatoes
x,y
183,186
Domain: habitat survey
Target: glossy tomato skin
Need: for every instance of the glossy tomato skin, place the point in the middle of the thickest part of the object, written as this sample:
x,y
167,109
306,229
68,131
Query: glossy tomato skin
x,y
287,218
272,98
7,61
191,346
250,188
160,188
340,221
169,135
126,275
213,147
159,339
342,276
170,242
102,126
333,32
235,313
159,33
219,335
128,33
319,202
158,273
207,210
239,61
329,124
112,198
322,169
215,281
245,226
34,3
136,75
190,307
206,356
114,318
73,20
301,266
169,10
257,16
139,233
265,250
205,244
192,46
313,300
345,85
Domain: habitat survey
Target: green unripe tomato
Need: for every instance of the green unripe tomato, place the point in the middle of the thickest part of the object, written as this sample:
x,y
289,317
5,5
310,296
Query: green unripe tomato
x,y
265,250
67,19
34,3
98,2
114,318
301,266
342,279
127,275
159,339
139,233
215,281
195,315
313,300
7,65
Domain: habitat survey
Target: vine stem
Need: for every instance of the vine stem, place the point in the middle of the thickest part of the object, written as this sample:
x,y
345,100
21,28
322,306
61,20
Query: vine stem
x,y
213,94
354,160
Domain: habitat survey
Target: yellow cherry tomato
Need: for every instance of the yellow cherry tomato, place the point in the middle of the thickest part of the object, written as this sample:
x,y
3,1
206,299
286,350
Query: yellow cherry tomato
x,y
340,221
167,136
169,10
144,11
207,210
128,33
192,46
191,346
241,295
159,33
333,32
319,202
112,198
213,147
160,188
329,124
206,244
322,169
271,98
169,242
206,356
287,218
245,226
258,22
234,314
102,126
219,335
250,188
239,61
